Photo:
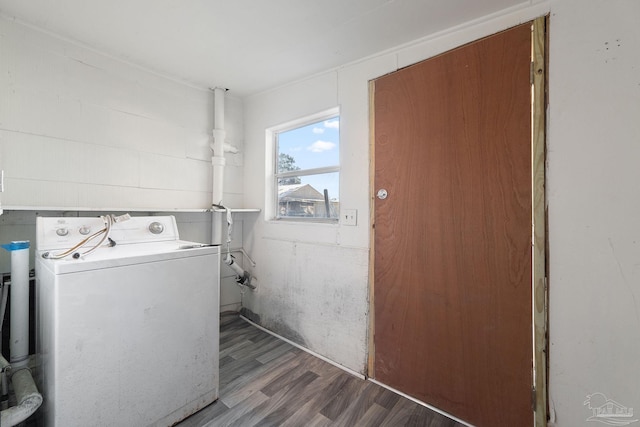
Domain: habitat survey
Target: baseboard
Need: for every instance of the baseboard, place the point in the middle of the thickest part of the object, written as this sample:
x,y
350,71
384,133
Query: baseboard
x,y
319,356
419,402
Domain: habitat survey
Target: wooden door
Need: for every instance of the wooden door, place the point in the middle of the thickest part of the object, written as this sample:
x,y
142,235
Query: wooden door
x,y
452,239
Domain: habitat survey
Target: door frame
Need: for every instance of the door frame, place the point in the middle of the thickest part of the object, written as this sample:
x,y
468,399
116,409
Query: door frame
x,y
540,293
539,227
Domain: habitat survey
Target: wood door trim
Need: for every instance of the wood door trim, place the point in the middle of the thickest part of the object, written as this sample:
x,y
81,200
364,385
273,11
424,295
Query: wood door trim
x,y
540,296
372,215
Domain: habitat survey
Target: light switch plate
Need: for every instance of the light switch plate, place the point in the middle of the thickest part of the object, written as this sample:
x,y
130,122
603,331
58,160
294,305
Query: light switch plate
x,y
349,217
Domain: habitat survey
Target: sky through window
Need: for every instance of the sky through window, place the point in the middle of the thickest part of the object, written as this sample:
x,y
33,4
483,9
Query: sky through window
x,y
315,146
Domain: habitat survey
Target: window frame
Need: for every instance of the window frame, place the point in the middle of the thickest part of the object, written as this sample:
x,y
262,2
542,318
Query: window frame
x,y
273,213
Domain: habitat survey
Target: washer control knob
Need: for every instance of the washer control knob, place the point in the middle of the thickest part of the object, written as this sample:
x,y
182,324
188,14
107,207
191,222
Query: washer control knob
x,y
62,231
156,227
84,230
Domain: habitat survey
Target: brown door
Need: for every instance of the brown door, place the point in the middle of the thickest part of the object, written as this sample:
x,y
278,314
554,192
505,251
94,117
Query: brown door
x,y
452,246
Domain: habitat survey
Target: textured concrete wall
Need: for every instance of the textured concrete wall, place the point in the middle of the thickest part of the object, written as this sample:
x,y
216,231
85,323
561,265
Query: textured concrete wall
x,y
81,130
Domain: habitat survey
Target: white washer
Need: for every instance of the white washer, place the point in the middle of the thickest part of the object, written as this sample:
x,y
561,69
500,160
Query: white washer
x,y
128,335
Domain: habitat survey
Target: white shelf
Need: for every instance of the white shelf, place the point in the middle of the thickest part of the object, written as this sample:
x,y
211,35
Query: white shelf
x,y
87,209
120,209
239,210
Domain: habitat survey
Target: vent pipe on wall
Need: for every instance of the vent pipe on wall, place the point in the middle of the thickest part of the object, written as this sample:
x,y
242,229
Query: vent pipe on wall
x,y
217,146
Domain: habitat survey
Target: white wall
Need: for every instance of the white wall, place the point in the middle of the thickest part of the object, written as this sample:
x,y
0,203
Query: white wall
x,y
594,205
81,130
314,278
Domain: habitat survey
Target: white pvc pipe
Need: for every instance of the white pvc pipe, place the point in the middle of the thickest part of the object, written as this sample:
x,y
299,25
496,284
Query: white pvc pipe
x,y
3,363
19,331
218,161
27,397
234,266
5,367
3,307
218,104
228,148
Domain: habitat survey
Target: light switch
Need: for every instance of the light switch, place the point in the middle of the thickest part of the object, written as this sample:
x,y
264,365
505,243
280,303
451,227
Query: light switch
x,y
349,217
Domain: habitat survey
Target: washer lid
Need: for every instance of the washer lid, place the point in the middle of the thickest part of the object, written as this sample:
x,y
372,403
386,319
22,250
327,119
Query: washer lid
x,y
126,255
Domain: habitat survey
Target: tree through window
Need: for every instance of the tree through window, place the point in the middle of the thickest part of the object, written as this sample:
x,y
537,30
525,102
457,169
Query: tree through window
x,y
286,163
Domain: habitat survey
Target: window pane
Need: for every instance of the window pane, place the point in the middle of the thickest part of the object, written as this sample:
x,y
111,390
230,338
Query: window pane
x,y
306,197
312,146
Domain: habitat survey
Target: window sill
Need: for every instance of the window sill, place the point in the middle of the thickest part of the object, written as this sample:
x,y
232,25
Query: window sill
x,y
309,221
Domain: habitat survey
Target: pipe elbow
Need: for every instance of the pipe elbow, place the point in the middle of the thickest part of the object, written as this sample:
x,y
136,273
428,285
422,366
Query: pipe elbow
x,y
228,148
4,364
27,396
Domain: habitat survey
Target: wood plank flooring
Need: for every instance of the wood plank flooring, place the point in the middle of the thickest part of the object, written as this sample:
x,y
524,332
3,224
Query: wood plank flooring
x,y
265,381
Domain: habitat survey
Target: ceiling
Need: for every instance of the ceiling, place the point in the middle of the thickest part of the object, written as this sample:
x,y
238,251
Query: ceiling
x,y
246,46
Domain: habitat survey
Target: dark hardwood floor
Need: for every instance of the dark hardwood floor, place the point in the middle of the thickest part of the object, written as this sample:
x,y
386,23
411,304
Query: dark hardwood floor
x,y
265,381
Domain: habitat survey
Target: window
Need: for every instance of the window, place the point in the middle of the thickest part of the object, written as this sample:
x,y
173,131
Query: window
x,y
307,169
